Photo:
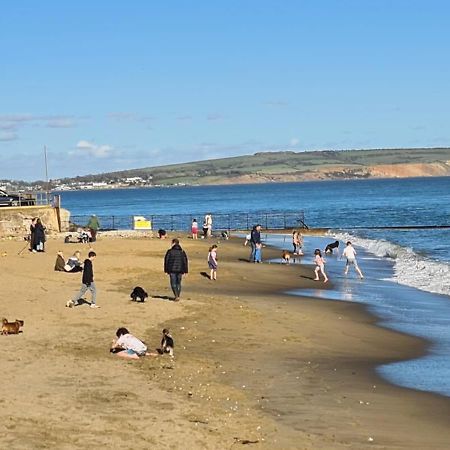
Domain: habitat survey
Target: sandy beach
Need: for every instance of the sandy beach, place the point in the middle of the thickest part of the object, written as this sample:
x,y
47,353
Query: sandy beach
x,y
252,365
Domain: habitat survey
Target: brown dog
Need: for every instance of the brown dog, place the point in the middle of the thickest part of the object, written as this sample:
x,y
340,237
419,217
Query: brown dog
x,y
11,327
286,257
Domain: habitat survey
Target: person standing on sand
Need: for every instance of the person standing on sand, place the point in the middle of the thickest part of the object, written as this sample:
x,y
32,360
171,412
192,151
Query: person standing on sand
x,y
320,265
93,225
176,265
207,225
255,239
194,229
212,262
87,283
350,254
38,237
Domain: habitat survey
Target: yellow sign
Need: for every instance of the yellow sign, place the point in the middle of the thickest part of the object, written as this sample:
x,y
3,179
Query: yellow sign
x,y
141,223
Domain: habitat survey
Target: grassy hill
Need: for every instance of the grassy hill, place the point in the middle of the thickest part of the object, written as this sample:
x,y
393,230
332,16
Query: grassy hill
x,y
292,166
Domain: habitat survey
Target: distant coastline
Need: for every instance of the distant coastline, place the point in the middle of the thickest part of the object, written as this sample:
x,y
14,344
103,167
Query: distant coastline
x,y
267,167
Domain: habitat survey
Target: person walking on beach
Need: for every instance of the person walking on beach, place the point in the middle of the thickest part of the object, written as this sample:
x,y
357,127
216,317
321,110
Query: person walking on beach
x,y
212,262
255,238
87,283
194,229
93,225
350,254
320,265
176,265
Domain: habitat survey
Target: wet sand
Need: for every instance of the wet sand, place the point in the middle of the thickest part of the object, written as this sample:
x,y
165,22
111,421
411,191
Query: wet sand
x,y
251,365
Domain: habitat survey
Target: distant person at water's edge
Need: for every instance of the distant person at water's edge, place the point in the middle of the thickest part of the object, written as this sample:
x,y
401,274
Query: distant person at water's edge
x,y
194,229
207,225
255,239
350,254
176,265
93,225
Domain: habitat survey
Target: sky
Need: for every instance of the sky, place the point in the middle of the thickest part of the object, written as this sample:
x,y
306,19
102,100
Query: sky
x,y
114,85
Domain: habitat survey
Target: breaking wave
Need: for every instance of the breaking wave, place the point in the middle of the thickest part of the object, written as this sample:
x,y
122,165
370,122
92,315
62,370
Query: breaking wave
x,y
410,268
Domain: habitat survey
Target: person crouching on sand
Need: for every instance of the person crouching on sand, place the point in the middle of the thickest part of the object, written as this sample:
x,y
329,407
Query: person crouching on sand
x,y
320,265
212,262
128,346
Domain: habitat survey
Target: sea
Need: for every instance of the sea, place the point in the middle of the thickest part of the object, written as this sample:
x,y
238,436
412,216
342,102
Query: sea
x,y
398,227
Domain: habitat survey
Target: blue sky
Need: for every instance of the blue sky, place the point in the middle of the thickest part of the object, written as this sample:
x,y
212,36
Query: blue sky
x,y
112,85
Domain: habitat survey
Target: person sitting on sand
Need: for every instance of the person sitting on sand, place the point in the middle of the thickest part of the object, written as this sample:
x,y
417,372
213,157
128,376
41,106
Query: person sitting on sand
x,y
128,346
60,262
73,263
320,265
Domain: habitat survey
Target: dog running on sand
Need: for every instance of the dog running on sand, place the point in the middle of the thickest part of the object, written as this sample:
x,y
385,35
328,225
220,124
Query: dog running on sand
x,y
11,327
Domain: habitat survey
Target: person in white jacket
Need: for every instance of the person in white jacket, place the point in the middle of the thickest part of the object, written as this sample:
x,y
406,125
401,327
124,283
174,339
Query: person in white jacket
x,y
350,254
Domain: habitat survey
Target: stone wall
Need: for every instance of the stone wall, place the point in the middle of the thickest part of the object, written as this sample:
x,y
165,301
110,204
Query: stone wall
x,y
16,221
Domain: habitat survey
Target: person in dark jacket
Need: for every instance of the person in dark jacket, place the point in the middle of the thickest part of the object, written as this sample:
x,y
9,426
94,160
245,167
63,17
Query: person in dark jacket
x,y
87,283
175,265
255,239
38,237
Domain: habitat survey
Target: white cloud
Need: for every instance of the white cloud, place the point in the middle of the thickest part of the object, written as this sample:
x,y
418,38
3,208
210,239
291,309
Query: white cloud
x,y
6,136
90,149
294,141
63,122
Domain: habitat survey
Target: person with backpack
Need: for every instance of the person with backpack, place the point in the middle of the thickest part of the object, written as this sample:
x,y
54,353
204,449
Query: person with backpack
x,y
176,265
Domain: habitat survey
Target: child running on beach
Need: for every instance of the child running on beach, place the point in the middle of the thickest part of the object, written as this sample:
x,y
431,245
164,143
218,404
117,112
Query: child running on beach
x,y
128,346
350,254
212,262
320,265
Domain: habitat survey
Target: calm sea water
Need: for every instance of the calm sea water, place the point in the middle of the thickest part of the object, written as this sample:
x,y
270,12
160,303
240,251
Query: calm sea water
x,y
407,280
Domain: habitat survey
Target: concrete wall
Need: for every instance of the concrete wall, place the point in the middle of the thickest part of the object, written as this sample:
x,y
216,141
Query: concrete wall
x,y
15,221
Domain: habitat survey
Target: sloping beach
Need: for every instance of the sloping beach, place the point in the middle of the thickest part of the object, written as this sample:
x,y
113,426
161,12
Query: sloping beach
x,y
251,365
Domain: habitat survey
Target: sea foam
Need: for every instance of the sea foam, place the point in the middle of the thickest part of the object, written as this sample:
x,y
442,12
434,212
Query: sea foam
x,y
410,268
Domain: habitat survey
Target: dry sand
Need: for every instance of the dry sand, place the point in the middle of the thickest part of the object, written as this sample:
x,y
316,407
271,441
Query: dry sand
x,y
252,366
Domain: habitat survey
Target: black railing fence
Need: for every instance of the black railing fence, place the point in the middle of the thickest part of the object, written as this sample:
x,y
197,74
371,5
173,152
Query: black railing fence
x,y
182,222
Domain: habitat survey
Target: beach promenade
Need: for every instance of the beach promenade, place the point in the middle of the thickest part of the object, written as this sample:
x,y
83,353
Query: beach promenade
x,y
252,365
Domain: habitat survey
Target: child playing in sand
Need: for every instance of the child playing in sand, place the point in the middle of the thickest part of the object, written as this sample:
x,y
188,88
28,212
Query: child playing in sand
x,y
128,346
320,265
212,262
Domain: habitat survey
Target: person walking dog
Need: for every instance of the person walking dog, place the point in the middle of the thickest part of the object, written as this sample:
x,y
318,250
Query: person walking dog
x,y
176,265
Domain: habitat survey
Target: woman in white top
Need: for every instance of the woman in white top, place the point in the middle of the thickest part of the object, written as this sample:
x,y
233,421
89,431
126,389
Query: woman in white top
x,y
350,254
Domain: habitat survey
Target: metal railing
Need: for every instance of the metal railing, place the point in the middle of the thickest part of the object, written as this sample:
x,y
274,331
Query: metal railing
x,y
182,222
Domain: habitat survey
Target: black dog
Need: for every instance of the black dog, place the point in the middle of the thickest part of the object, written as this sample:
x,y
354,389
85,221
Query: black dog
x,y
138,293
330,247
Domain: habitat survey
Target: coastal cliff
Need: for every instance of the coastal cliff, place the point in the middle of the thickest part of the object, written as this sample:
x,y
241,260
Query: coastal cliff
x,y
286,166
